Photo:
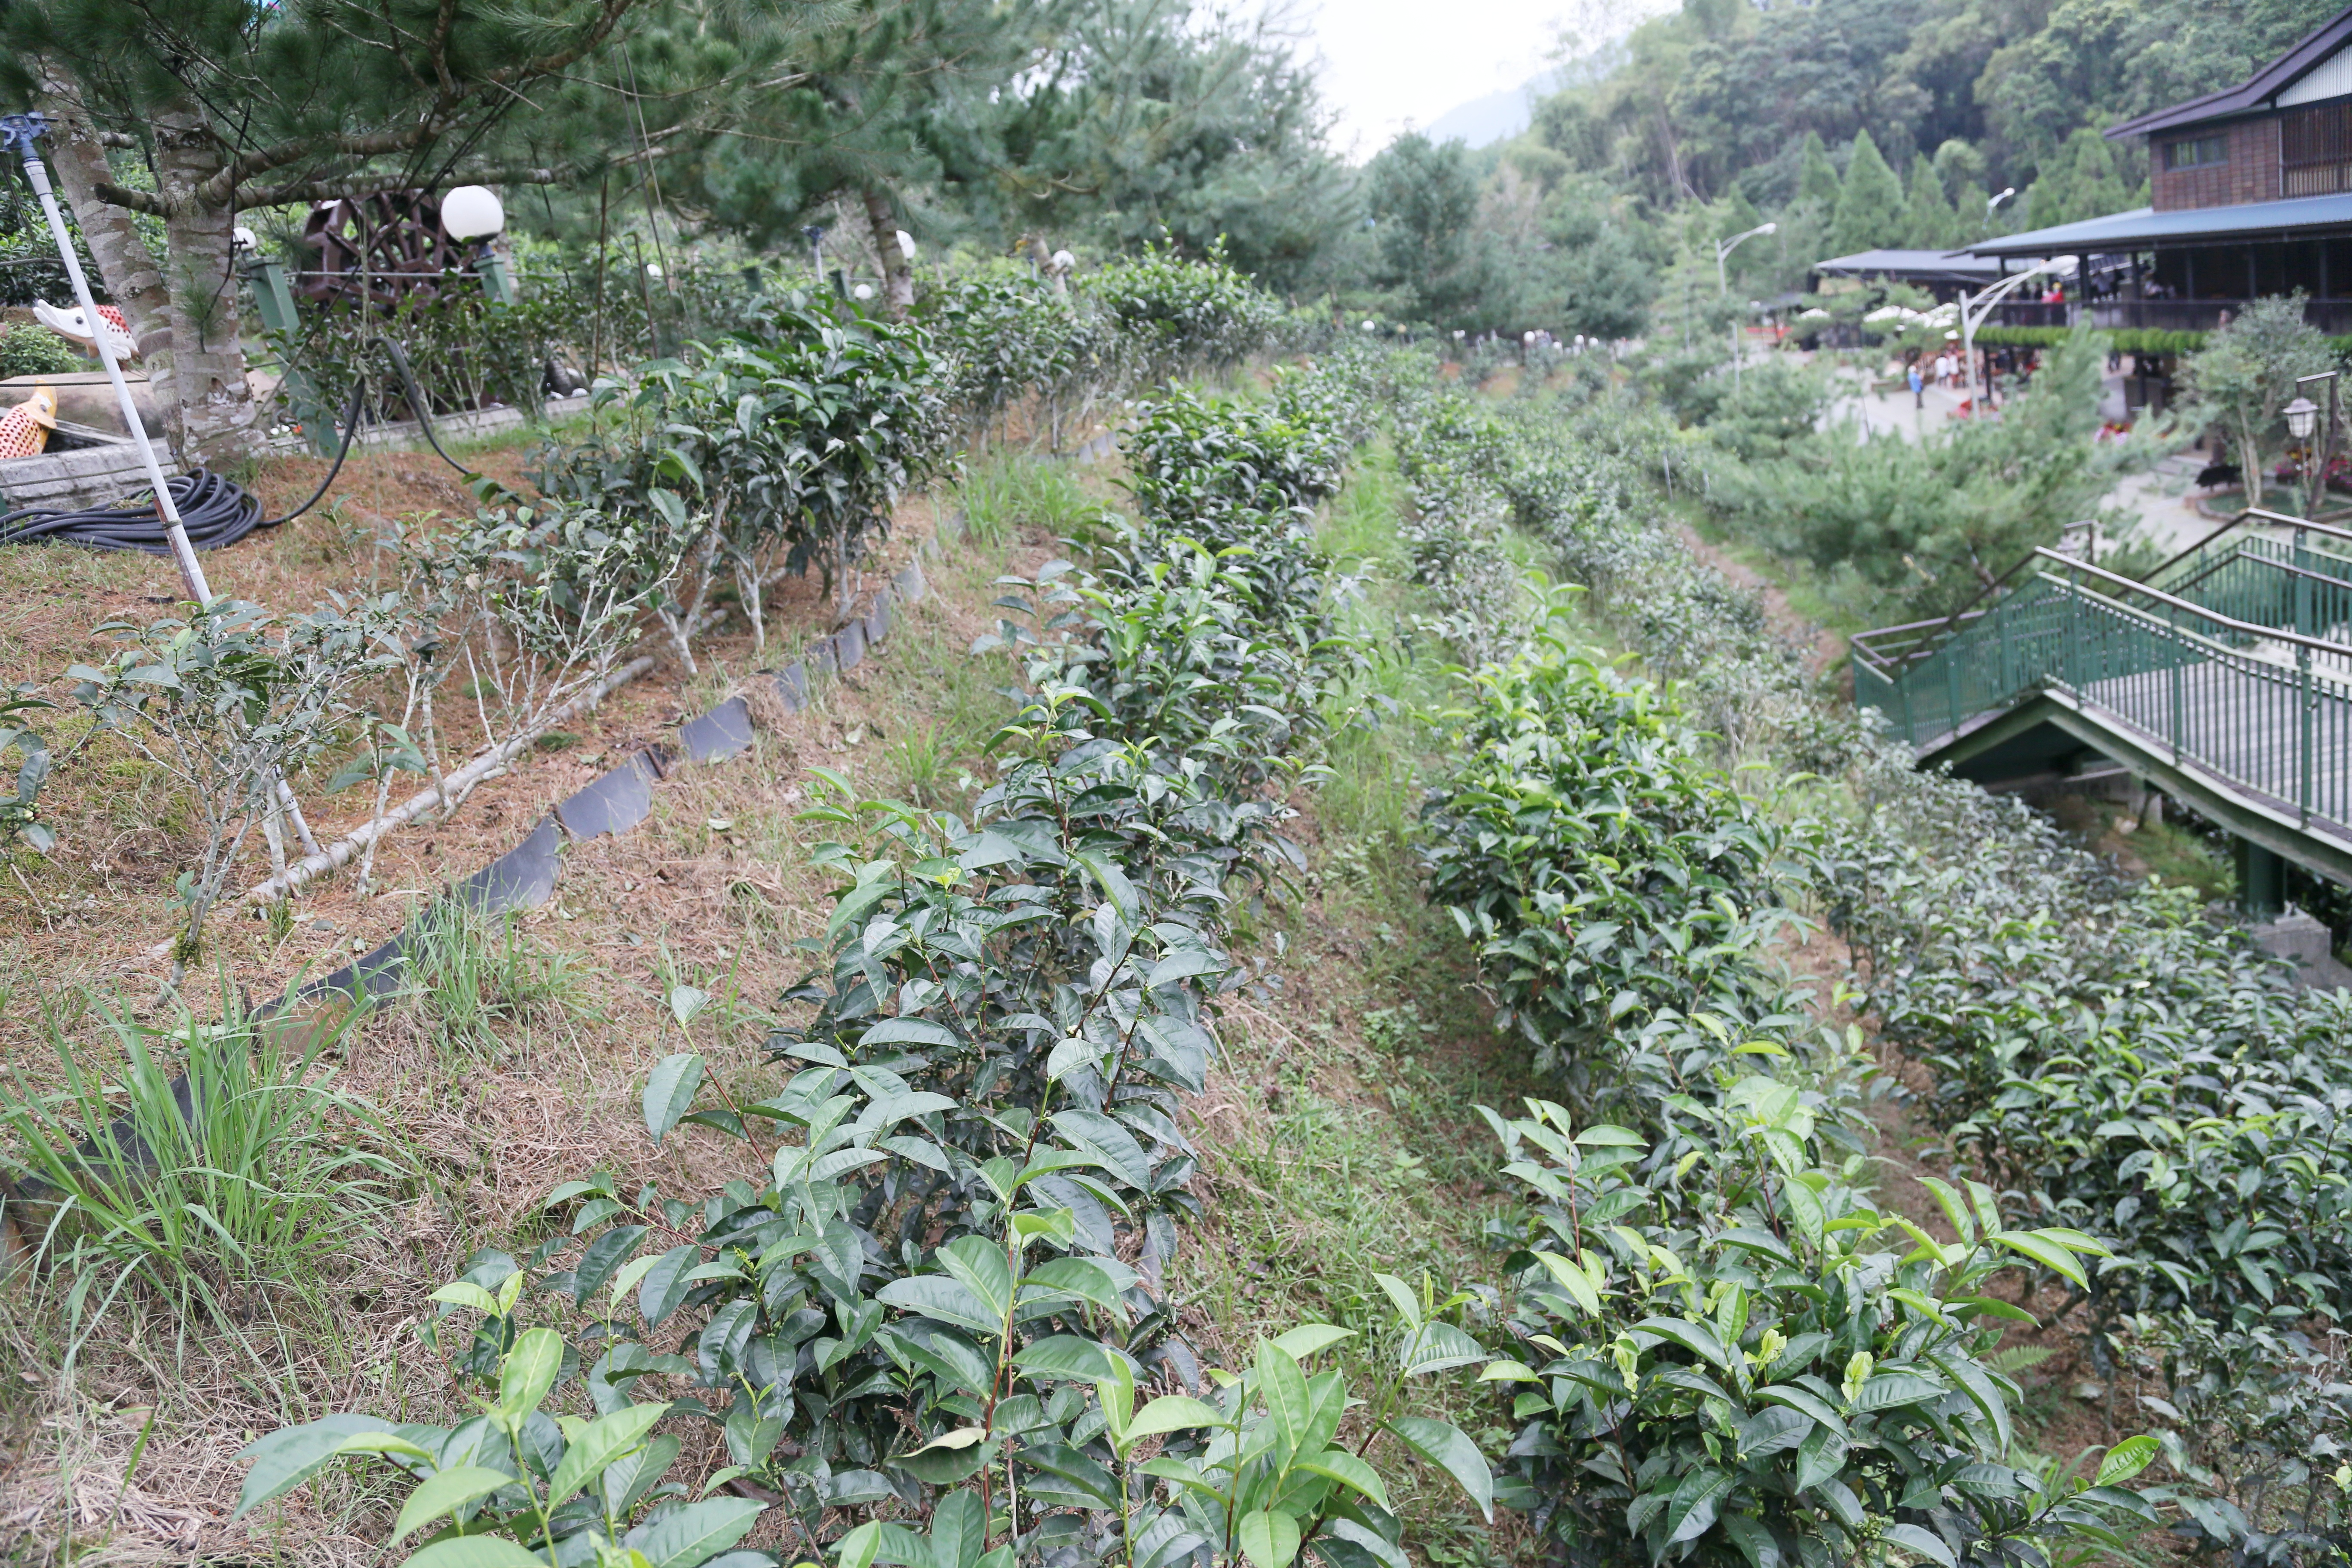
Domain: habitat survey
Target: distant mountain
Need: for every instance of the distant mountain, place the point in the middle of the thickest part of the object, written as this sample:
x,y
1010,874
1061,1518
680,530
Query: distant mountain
x,y
1497,116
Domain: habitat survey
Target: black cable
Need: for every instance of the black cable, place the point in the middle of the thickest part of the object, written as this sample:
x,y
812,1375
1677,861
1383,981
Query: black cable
x,y
216,511
416,402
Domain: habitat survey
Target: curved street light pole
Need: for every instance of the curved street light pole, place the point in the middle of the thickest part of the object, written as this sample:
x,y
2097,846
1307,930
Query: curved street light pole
x,y
1724,247
1975,309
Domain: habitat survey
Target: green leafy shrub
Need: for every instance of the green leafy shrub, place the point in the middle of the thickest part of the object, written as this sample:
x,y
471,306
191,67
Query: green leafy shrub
x,y
763,459
2109,1060
1614,884
1727,1371
28,348
2260,1433
1177,317
1010,334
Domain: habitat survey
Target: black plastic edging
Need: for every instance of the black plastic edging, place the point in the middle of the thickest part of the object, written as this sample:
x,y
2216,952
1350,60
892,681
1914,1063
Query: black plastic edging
x,y
524,878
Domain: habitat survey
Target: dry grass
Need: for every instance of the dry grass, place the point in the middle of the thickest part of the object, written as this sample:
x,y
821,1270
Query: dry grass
x,y
711,890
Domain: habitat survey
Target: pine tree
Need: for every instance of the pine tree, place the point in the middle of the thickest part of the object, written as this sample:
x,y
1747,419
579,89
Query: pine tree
x,y
1870,208
1819,181
234,108
1933,224
2079,182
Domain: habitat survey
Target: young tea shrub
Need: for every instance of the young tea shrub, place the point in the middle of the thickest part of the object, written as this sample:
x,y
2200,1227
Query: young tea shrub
x,y
765,456
1726,1365
936,1285
1615,883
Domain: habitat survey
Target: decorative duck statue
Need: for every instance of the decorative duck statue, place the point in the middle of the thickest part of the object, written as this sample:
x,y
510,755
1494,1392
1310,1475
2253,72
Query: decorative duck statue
x,y
24,428
68,326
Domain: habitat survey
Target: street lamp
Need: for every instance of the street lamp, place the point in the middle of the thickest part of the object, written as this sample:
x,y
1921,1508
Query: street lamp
x,y
1974,309
472,212
1724,247
1994,201
2302,418
815,235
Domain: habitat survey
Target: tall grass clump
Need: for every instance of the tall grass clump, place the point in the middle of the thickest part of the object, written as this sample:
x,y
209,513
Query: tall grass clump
x,y
220,1157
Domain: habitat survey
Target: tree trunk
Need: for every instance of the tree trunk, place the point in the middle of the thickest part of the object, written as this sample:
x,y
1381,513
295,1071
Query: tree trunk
x,y
217,407
897,277
125,265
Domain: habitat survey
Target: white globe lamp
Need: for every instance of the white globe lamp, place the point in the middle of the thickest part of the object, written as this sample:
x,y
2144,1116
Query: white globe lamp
x,y
863,292
906,245
472,212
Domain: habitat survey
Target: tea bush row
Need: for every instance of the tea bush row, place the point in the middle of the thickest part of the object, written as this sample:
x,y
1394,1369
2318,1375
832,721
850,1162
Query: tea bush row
x,y
2105,1058
1725,1361
932,1296
2109,1056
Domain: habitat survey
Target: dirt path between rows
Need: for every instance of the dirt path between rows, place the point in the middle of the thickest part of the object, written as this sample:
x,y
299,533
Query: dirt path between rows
x,y
1827,649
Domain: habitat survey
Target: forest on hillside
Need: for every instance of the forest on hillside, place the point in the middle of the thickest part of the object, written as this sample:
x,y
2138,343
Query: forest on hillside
x,y
1852,125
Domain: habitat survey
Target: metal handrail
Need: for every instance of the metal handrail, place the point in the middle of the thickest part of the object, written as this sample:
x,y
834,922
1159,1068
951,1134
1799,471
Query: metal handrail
x,y
1861,643
2249,629
2273,719
2262,561
2239,520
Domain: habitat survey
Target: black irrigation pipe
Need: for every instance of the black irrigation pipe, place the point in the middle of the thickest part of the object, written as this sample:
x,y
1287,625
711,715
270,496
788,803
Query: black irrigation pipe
x,y
217,512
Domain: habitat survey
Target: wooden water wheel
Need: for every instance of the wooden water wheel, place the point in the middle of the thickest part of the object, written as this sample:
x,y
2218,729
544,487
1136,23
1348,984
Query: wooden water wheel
x,y
379,249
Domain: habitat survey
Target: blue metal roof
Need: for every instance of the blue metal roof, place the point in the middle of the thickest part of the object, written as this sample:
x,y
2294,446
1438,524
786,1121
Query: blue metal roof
x,y
1959,265
2143,228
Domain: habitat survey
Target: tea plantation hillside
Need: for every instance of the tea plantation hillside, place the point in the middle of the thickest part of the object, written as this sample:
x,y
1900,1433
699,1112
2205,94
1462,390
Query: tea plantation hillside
x,y
1108,924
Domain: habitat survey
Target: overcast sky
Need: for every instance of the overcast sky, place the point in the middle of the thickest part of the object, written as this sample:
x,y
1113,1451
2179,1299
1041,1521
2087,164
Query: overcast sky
x,y
1392,64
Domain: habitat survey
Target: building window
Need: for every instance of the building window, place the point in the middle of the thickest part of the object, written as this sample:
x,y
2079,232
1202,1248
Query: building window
x,y
2315,150
2198,153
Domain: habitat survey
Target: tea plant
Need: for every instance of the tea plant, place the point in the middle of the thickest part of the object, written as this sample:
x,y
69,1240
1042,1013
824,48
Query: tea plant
x,y
20,811
923,1280
1615,885
1726,1370
225,704
765,456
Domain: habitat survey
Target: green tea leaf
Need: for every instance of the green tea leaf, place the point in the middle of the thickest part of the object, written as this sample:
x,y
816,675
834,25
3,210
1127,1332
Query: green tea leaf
x,y
669,1092
446,1491
1444,1445
530,1371
1268,1539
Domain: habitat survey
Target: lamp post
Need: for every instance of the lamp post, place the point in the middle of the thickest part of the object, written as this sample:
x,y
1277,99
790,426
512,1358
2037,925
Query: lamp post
x,y
1724,247
2302,418
1993,201
473,213
815,235
1974,309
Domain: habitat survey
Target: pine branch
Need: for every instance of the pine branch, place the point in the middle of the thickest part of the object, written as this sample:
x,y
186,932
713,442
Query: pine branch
x,y
362,185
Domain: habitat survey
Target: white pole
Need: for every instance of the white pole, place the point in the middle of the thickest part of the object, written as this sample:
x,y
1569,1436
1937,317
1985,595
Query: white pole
x,y
192,571
21,130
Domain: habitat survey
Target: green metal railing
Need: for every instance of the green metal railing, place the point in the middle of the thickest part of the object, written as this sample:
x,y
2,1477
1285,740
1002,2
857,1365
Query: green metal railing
x,y
2301,582
2259,704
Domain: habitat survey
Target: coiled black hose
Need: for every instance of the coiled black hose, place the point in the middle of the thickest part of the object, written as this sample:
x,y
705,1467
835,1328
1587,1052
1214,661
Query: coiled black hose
x,y
216,511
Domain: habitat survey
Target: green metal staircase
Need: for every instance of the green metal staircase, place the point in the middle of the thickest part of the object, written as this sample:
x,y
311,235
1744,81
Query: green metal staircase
x,y
2225,679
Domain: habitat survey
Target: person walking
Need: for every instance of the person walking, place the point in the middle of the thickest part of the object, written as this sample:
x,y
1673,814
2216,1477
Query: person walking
x,y
1918,387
